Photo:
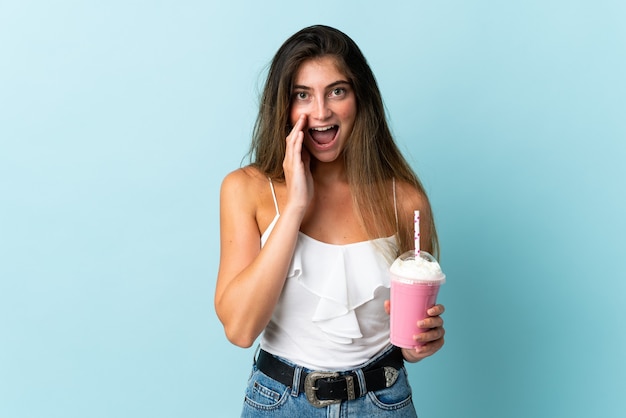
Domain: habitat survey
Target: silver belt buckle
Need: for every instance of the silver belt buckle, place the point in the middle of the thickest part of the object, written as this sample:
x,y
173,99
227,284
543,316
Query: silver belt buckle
x,y
310,389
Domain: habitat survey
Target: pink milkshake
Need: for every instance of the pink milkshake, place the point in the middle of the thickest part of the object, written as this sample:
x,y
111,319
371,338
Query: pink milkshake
x,y
414,286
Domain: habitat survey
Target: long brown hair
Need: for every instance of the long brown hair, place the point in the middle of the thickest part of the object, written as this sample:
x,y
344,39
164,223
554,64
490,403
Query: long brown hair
x,y
372,158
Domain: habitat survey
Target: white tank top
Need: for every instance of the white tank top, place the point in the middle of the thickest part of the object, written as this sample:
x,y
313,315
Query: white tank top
x,y
330,314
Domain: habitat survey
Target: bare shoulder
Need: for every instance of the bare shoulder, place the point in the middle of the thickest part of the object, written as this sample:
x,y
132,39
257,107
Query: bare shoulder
x,y
243,184
410,198
245,177
246,194
237,192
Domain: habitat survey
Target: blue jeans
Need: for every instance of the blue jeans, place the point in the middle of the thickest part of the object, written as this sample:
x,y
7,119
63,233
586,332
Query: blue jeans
x,y
266,397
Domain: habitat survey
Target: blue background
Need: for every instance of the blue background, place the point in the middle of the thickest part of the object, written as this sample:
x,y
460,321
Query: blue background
x,y
119,119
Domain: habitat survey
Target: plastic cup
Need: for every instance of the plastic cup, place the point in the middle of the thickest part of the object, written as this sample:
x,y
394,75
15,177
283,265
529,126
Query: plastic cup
x,y
414,289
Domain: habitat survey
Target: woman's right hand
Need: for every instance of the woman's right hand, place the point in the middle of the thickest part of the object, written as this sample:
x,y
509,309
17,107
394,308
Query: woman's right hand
x,y
297,168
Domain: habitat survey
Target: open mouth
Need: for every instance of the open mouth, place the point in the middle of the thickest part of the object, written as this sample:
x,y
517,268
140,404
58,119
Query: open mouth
x,y
324,135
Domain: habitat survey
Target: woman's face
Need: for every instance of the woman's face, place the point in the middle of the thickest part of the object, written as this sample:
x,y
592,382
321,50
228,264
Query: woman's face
x,y
322,92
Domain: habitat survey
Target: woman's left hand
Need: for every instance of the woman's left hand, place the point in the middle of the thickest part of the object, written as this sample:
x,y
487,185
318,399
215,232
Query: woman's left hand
x,y
431,339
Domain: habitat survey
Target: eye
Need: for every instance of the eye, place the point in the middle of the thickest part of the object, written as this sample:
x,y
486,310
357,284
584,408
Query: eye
x,y
301,95
339,91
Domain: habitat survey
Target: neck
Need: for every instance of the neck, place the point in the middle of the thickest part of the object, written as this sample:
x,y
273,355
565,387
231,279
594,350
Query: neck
x,y
330,172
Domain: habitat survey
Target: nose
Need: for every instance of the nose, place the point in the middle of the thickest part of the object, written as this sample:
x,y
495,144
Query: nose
x,y
322,110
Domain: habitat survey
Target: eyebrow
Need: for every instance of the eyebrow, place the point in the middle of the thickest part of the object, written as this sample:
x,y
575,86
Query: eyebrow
x,y
331,85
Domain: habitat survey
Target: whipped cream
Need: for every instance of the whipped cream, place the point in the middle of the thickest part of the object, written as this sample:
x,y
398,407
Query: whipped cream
x,y
423,269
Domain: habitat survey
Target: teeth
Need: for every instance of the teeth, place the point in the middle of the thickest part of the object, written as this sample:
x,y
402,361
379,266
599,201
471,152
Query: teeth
x,y
322,129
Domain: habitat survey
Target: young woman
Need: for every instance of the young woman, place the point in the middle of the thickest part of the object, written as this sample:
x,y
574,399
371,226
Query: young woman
x,y
308,231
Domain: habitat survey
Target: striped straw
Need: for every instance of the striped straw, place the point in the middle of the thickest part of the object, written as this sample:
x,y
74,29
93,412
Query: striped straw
x,y
417,233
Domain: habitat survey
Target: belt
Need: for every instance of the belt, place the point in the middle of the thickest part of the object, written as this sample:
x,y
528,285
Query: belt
x,y
325,388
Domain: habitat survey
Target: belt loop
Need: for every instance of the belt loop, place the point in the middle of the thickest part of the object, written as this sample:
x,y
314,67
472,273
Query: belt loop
x,y
295,385
256,354
361,379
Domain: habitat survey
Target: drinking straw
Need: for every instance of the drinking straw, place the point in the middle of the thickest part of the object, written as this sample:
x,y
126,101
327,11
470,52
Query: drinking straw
x,y
416,219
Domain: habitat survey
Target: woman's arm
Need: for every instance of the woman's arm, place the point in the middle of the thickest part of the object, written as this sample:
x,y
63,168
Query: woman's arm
x,y
250,278
433,338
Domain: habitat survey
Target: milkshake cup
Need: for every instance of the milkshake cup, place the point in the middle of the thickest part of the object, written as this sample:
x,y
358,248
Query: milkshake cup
x,y
415,281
